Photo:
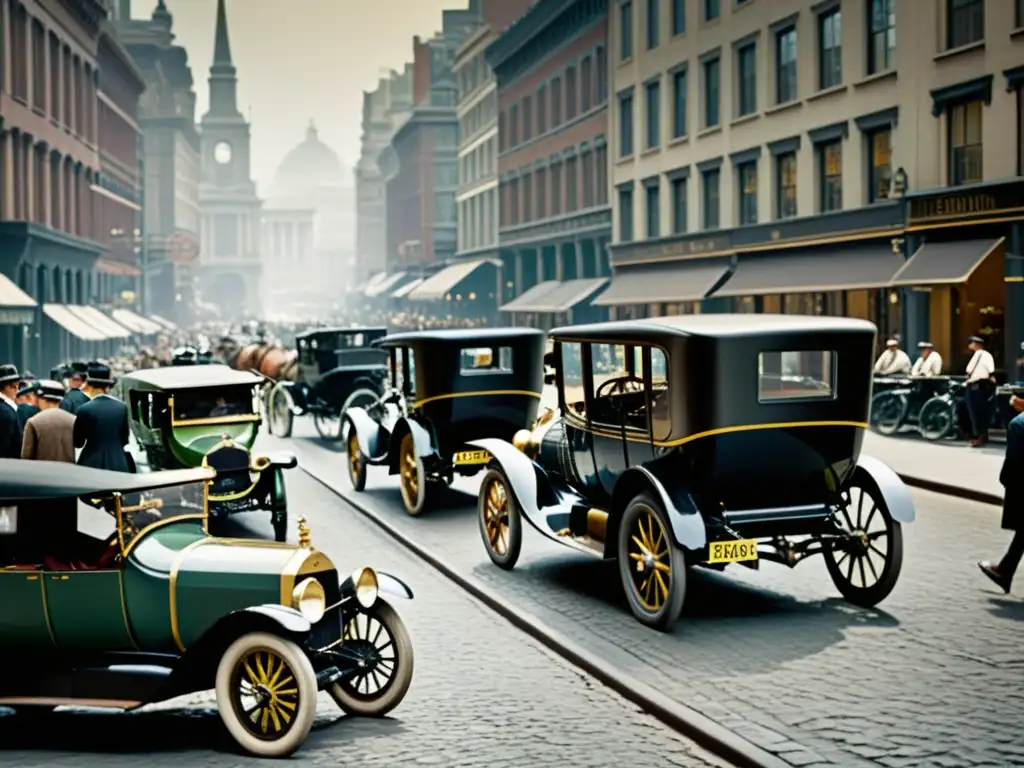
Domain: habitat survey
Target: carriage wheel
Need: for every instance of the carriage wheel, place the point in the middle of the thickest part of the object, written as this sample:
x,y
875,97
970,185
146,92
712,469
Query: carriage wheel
x,y
328,424
356,461
865,563
936,419
361,398
500,520
652,567
279,414
412,476
888,412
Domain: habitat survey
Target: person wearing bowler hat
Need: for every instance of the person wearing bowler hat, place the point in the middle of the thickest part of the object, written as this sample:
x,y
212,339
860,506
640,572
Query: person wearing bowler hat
x,y
10,428
76,396
980,382
101,425
49,435
27,399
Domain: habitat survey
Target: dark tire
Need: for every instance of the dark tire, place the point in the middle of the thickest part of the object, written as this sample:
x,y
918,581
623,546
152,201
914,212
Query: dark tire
x,y
651,566
281,529
936,420
360,398
412,477
867,565
499,519
381,687
33,711
280,418
888,412
356,461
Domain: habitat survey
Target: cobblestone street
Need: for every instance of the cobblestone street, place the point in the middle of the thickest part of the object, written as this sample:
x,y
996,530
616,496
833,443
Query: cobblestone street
x,y
483,694
936,677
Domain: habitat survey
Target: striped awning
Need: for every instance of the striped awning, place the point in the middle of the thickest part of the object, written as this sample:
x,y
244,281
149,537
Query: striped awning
x,y
408,288
135,323
99,321
70,322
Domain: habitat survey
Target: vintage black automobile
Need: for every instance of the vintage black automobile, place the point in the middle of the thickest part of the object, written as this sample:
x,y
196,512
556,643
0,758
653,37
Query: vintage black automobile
x,y
158,608
704,440
339,368
447,387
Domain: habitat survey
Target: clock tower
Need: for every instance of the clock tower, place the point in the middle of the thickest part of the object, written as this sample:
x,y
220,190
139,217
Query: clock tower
x,y
230,267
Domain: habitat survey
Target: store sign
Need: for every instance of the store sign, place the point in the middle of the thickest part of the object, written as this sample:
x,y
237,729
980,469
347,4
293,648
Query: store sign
x,y
16,316
678,248
997,201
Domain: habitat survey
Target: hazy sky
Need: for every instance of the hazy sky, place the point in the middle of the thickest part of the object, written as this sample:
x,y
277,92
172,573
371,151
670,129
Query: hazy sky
x,y
302,59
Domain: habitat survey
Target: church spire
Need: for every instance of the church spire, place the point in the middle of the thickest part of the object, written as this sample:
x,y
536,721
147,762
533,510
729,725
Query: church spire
x,y
223,79
222,43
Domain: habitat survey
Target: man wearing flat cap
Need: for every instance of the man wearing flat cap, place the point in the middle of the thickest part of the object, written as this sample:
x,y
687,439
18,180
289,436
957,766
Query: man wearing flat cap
x,y
49,435
76,396
893,361
27,399
929,363
101,425
10,429
980,383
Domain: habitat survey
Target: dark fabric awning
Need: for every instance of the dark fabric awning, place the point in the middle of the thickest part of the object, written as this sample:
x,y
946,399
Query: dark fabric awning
x,y
817,270
522,302
439,285
679,281
385,286
568,295
944,263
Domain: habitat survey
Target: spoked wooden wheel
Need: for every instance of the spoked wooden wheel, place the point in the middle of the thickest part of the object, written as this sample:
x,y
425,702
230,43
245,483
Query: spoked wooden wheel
x,y
652,567
356,461
865,562
379,644
500,521
412,477
279,413
266,694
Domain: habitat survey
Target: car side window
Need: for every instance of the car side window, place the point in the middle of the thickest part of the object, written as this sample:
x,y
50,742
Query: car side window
x,y
573,394
619,397
409,371
661,424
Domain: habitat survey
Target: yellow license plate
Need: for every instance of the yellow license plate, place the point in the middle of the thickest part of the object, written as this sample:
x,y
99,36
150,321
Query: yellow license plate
x,y
732,551
466,458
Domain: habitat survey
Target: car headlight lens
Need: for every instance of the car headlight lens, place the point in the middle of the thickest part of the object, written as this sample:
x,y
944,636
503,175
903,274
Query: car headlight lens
x,y
364,581
308,599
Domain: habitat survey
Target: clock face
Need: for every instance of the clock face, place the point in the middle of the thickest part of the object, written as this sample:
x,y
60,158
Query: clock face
x,y
222,153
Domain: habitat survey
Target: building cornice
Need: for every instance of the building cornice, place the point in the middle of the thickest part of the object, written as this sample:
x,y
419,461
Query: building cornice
x,y
476,43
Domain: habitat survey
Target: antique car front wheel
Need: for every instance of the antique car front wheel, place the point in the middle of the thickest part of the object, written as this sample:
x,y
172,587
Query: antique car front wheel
x,y
279,414
501,525
865,562
380,638
266,694
652,568
412,476
356,461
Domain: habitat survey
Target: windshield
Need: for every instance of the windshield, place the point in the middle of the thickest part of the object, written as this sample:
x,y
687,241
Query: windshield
x,y
138,512
218,403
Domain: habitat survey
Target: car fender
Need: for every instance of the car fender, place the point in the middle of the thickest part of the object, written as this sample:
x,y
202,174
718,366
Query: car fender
x,y
520,471
888,486
421,439
393,585
367,430
294,395
684,516
282,460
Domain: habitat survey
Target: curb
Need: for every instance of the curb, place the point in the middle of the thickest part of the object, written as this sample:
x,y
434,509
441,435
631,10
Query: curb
x,y
686,721
956,491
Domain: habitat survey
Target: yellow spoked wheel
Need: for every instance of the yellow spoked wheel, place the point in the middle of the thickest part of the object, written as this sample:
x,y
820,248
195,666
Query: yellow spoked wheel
x,y
500,520
652,567
356,461
412,477
266,694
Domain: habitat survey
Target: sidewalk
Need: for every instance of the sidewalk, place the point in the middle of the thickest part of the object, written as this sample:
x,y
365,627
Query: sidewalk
x,y
946,463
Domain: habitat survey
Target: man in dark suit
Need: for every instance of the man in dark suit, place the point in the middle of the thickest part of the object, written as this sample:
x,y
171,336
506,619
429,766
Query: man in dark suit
x,y
101,425
1012,478
10,429
27,399
76,396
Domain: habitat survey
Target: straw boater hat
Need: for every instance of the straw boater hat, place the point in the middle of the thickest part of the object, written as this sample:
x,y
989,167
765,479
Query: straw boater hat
x,y
892,343
9,373
51,390
925,345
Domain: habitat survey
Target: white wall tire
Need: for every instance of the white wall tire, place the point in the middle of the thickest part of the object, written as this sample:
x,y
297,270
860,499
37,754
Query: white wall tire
x,y
276,722
279,413
412,476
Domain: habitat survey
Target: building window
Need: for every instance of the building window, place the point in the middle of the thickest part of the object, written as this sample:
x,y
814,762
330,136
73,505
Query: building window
x,y
785,65
711,10
513,202
965,143
1019,14
746,59
711,93
572,185
882,36
830,49
712,182
747,177
601,172
965,22
541,179
652,203
39,67
528,201
679,16
556,102
653,114
586,84
678,104
502,132
678,206
1020,129
513,126
587,161
626,31
831,160
602,75
625,214
785,191
527,118
542,110
880,169
652,23
626,124
570,93
556,189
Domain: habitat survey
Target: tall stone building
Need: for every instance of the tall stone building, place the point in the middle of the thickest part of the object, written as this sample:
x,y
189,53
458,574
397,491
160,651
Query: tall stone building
x,y
384,111
168,240
230,265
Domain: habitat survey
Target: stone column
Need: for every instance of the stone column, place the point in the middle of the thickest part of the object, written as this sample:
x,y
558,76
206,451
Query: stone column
x,y
559,263
72,199
27,187
578,247
914,306
6,67
47,182
57,174
7,206
518,277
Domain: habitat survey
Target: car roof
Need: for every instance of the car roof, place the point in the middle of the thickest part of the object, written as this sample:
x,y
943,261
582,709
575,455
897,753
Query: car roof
x,y
458,336
324,331
714,326
193,376
25,480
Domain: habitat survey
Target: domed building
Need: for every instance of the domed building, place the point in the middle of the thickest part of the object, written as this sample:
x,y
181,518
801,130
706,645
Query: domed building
x,y
308,232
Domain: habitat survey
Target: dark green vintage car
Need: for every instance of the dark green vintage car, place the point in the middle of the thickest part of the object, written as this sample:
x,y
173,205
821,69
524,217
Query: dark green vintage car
x,y
161,608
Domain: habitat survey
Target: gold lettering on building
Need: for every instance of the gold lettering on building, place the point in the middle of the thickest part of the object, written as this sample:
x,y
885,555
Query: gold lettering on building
x,y
953,206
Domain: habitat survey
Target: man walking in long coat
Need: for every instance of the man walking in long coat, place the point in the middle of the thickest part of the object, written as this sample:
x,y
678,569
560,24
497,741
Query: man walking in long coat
x,y
101,425
50,434
10,429
1012,478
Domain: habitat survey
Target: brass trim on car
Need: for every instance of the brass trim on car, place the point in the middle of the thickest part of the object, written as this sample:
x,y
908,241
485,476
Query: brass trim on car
x,y
258,464
241,418
304,561
476,393
714,432
124,611
172,604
